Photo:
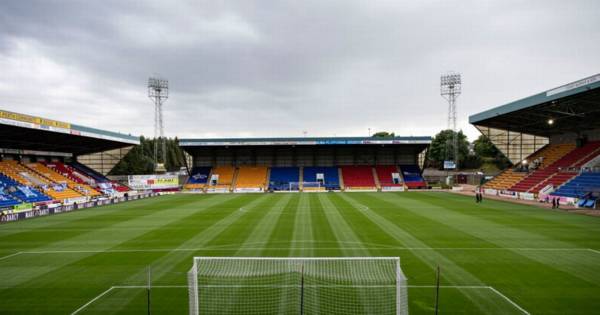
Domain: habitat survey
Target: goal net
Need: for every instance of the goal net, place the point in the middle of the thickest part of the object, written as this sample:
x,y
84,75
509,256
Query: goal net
x,y
260,285
312,185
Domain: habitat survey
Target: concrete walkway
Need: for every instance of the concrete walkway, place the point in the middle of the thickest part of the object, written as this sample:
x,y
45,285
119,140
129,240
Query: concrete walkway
x,y
469,190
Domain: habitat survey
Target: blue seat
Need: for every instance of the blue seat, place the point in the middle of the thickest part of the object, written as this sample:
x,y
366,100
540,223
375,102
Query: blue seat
x,y
580,186
6,200
22,193
281,177
199,175
89,172
330,174
590,203
29,194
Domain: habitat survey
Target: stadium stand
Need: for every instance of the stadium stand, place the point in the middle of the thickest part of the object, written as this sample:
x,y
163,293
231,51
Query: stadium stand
x,y
20,192
6,200
226,174
69,172
412,176
251,177
505,180
56,187
281,177
100,180
29,177
580,186
384,173
54,176
199,177
331,179
510,177
558,172
358,177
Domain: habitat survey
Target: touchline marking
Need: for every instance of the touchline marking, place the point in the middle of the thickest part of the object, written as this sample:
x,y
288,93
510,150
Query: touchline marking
x,y
291,247
92,301
594,250
11,255
509,300
99,296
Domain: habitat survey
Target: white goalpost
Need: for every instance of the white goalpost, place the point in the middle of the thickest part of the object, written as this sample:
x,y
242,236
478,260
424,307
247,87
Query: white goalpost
x,y
307,185
281,285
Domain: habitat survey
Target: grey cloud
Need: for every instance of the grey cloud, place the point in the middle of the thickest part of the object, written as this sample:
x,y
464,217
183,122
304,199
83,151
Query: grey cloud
x,y
257,69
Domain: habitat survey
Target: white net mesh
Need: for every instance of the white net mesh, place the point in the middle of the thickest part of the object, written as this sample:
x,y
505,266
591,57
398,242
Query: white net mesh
x,y
354,285
312,185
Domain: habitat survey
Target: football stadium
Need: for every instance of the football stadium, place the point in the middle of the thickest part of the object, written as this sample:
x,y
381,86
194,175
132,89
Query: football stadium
x,y
266,194
342,225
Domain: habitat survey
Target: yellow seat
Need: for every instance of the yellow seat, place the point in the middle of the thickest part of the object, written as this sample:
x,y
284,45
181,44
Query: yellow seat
x,y
58,178
546,155
226,174
252,177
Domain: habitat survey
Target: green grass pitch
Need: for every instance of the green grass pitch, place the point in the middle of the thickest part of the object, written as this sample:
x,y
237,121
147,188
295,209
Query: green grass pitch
x,y
495,257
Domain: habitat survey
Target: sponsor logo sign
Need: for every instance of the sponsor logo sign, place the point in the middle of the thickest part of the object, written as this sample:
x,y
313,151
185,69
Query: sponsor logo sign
x,y
508,194
147,182
574,85
526,196
489,191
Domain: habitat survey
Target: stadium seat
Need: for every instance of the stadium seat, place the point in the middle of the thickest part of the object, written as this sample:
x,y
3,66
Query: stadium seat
x,y
252,177
55,177
510,177
412,176
358,177
281,177
6,199
384,173
558,172
99,179
29,177
199,177
21,192
331,178
505,180
225,174
580,186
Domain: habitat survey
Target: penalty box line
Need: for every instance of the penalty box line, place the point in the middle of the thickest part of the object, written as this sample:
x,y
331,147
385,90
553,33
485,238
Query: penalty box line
x,y
41,252
495,291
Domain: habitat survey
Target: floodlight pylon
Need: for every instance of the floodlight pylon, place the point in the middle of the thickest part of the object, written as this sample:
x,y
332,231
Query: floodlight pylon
x,y
450,89
158,92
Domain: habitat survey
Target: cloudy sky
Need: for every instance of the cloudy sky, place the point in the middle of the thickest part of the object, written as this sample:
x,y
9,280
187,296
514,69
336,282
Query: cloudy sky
x,y
279,68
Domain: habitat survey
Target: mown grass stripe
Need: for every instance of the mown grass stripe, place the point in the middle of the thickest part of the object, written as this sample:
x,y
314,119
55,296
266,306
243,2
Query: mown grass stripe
x,y
507,236
343,231
302,229
163,266
454,274
96,240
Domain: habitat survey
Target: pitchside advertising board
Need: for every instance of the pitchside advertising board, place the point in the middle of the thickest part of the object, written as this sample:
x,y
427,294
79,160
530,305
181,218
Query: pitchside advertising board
x,y
147,182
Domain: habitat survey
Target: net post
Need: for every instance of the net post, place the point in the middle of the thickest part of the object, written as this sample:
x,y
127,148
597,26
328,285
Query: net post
x,y
302,289
148,287
401,291
437,289
193,289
